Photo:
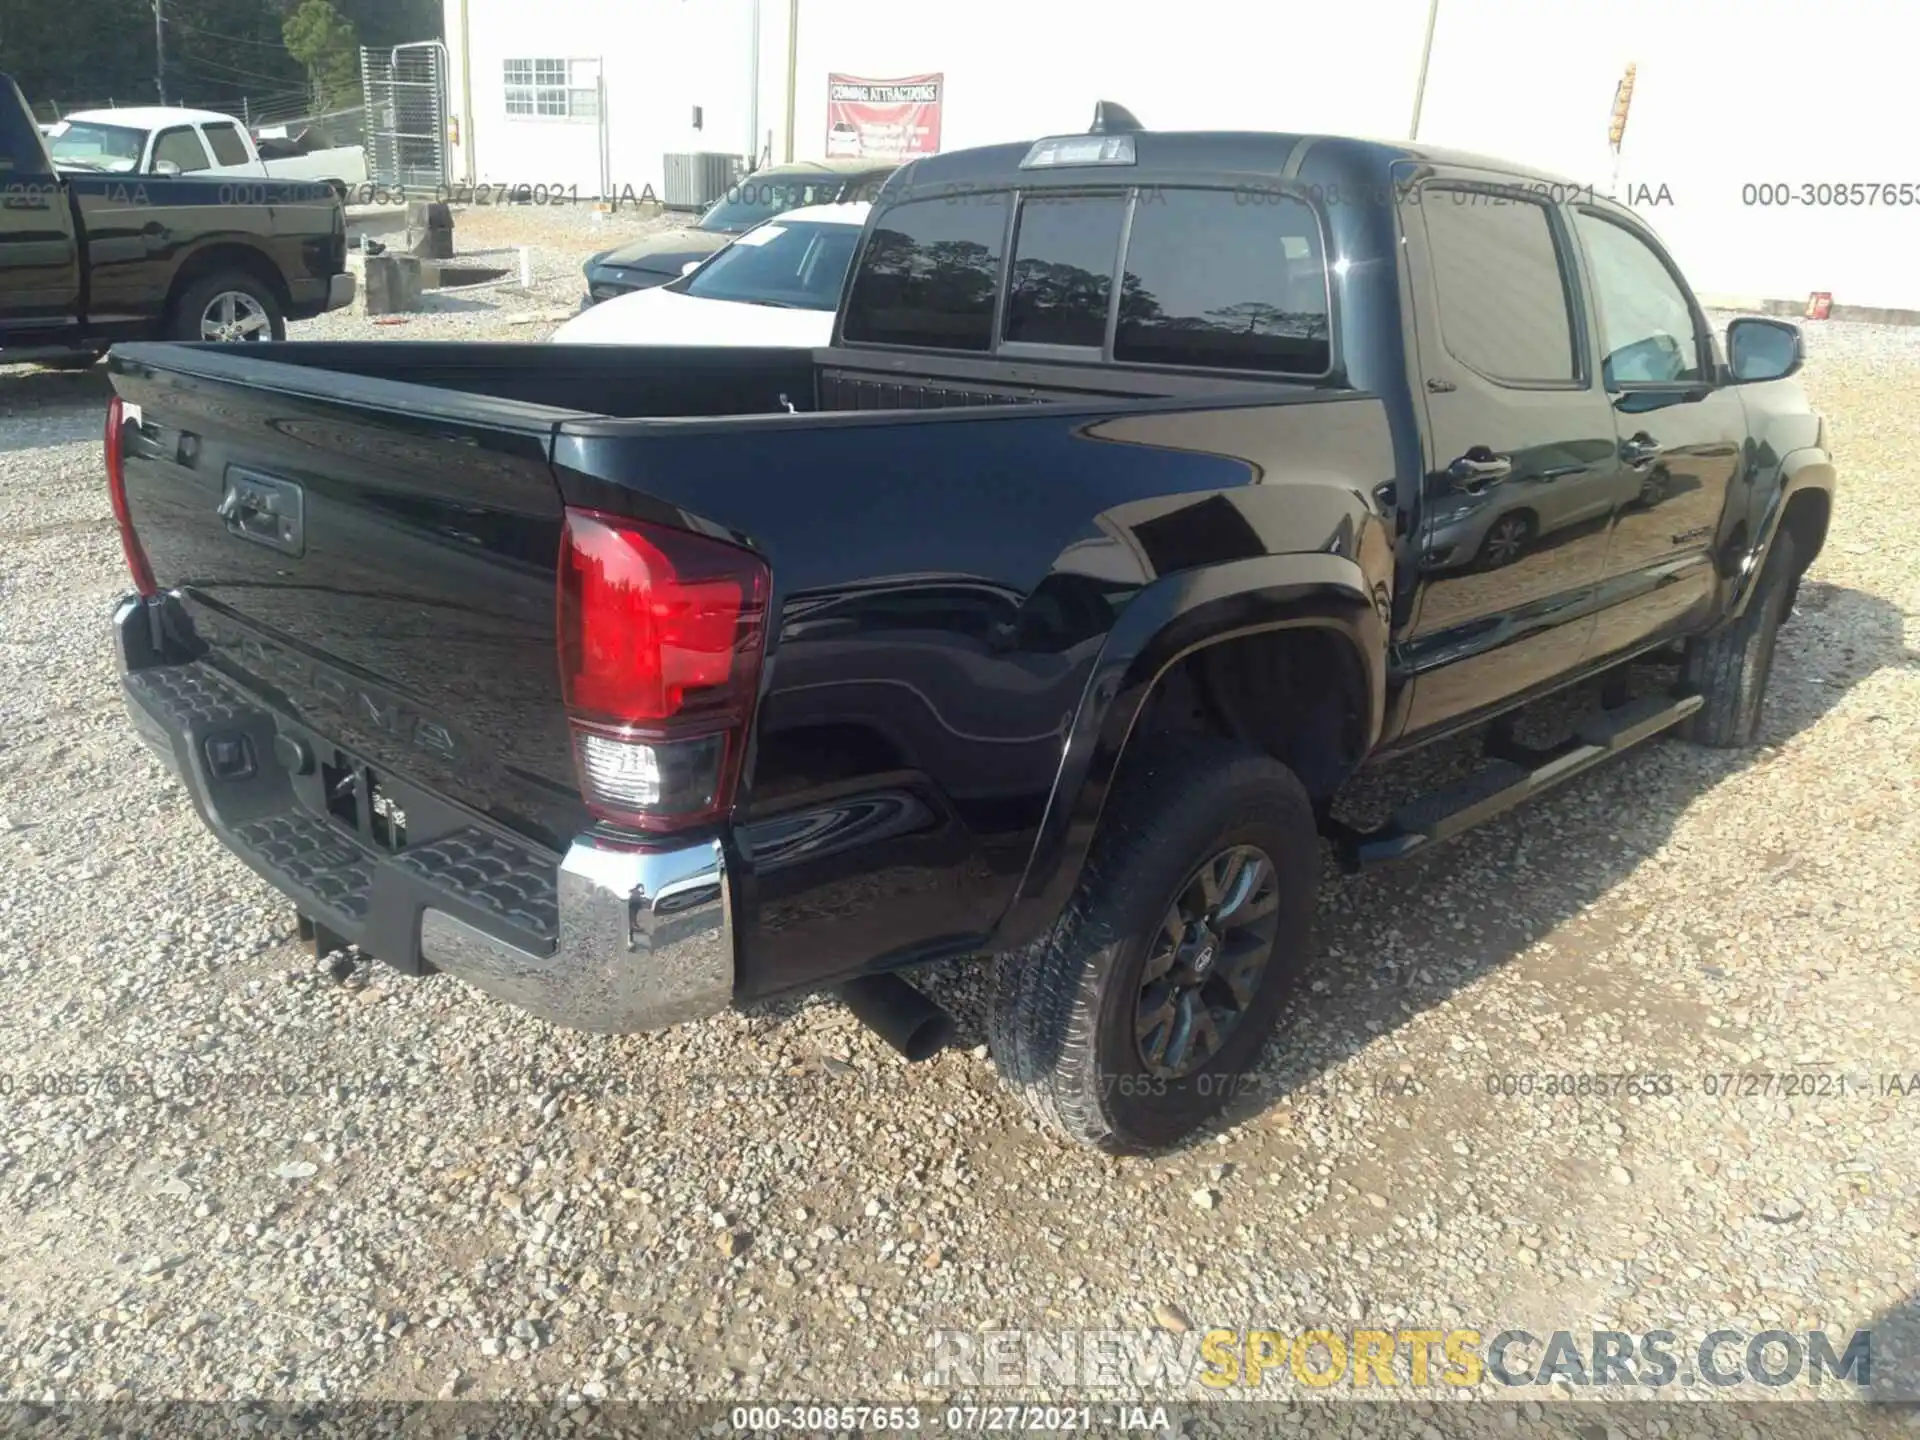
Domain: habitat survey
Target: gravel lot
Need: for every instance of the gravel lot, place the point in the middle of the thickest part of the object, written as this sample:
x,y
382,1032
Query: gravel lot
x,y
375,1187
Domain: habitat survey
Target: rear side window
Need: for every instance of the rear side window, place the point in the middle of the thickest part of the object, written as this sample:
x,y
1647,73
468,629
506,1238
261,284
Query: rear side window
x,y
228,147
1504,305
183,148
1226,285
1062,278
928,274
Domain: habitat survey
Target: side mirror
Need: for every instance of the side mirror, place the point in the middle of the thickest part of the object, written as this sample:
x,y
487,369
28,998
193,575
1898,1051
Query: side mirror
x,y
689,267
165,167
1760,349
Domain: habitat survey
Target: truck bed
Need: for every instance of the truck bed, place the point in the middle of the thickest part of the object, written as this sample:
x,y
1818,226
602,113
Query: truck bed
x,y
681,383
943,580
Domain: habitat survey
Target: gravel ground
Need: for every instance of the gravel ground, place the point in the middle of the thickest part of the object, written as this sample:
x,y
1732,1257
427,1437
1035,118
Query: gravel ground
x,y
560,238
328,1187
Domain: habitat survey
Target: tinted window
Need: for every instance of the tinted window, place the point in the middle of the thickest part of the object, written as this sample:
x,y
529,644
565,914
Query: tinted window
x,y
183,148
1646,325
927,276
1215,283
1503,299
751,202
801,266
228,147
1063,252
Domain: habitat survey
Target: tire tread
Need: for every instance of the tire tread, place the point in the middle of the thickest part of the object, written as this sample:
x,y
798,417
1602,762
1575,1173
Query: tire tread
x,y
1043,1019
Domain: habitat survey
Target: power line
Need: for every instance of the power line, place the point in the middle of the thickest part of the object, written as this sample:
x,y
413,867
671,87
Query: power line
x,y
277,45
259,76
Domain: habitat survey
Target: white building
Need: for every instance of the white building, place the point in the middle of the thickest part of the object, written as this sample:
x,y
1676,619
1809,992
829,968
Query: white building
x,y
1730,95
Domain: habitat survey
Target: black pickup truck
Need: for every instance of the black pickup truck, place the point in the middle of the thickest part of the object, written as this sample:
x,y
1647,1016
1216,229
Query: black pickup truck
x,y
1153,484
90,259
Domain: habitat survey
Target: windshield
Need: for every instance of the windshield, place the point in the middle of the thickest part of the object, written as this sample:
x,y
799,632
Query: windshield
x,y
86,145
798,267
753,201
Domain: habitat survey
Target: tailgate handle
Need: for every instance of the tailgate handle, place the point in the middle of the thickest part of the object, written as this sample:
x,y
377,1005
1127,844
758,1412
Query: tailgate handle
x,y
266,511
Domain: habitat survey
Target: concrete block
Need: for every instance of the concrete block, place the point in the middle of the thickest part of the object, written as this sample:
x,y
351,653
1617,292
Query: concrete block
x,y
430,229
393,284
438,274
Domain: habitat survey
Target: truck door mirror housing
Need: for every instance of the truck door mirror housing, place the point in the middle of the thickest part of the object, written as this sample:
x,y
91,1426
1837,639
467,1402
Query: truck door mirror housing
x,y
1759,349
165,167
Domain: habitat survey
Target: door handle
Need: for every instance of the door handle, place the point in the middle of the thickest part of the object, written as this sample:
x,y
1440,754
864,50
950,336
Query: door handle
x,y
1479,468
1639,450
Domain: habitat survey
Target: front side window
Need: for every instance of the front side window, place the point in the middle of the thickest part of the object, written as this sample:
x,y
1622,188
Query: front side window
x,y
798,266
1646,325
182,146
928,274
1062,277
1225,285
1505,310
228,147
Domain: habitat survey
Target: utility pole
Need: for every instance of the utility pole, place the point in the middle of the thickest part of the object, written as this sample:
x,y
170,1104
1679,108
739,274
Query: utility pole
x,y
793,66
159,52
753,92
1420,85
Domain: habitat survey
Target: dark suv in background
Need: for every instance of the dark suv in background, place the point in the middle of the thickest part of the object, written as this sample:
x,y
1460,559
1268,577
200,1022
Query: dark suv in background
x,y
655,259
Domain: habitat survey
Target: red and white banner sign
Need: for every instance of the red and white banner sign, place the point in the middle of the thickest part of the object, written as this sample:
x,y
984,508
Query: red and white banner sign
x,y
886,119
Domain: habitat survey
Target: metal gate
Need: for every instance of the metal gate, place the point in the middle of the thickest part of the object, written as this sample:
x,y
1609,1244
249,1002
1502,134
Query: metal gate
x,y
406,97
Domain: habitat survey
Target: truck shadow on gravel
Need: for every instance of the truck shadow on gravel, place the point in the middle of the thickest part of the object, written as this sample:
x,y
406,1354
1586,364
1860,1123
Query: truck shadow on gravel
x,y
51,407
1896,1360
1397,942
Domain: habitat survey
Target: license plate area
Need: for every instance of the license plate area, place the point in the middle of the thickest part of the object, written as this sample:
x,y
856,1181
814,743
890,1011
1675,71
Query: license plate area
x,y
358,800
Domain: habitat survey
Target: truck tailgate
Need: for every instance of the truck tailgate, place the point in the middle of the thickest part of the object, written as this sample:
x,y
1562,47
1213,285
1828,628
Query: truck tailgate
x,y
374,559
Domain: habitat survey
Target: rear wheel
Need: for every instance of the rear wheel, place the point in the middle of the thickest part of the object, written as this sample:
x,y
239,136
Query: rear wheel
x,y
1137,1019
1507,540
232,307
1730,668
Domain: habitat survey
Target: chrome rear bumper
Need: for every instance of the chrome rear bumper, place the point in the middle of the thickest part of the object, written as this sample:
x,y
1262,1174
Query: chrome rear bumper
x,y
614,936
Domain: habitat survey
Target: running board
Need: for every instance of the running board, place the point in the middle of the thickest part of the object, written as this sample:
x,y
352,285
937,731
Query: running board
x,y
1513,773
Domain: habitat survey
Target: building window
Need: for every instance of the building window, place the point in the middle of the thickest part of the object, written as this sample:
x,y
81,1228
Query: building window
x,y
550,90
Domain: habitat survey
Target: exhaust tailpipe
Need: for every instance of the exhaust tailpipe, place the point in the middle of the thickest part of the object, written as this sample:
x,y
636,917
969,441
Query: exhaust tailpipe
x,y
899,1014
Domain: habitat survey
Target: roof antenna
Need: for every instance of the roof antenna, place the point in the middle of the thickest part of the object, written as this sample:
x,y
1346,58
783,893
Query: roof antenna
x,y
1112,118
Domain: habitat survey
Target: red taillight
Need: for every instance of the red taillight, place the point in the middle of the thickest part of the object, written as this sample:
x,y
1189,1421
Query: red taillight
x,y
661,633
137,564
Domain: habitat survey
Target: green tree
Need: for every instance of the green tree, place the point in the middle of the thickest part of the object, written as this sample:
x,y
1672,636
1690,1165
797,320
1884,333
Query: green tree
x,y
322,39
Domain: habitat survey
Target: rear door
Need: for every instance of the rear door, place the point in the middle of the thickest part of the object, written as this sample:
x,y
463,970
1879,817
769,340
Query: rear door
x,y
1521,477
39,253
1681,435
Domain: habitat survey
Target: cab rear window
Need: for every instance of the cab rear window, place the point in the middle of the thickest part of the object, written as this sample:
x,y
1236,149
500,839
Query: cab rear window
x,y
1208,280
1215,282
1062,277
928,274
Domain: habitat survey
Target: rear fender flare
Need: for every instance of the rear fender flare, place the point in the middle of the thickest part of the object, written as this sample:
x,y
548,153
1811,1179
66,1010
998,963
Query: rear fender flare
x,y
1165,623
